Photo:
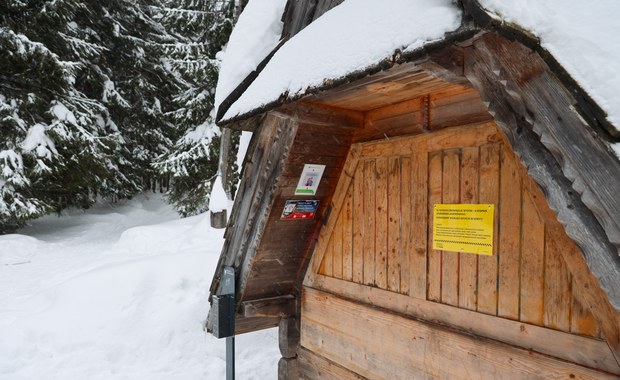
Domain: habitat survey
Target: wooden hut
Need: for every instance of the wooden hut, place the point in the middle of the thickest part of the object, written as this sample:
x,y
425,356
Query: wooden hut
x,y
361,289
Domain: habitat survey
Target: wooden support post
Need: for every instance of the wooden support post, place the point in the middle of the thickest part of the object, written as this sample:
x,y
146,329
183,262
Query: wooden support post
x,y
288,367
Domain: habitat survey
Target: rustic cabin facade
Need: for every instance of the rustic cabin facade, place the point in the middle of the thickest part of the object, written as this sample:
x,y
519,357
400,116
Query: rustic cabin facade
x,y
360,290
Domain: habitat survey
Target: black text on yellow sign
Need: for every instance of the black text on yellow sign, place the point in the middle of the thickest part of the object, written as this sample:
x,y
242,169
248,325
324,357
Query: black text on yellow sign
x,y
463,228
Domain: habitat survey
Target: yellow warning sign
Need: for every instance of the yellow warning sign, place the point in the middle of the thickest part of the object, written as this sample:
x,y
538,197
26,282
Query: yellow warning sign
x,y
463,228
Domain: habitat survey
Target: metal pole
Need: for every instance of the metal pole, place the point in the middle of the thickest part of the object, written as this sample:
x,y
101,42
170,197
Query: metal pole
x,y
228,287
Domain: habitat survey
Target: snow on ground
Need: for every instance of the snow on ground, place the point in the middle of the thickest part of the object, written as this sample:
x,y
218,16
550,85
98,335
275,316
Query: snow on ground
x,y
117,293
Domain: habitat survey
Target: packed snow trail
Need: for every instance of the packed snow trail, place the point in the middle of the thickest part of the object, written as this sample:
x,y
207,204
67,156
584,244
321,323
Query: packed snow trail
x,y
117,293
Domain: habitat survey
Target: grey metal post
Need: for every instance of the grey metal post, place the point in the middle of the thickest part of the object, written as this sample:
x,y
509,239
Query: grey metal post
x,y
228,287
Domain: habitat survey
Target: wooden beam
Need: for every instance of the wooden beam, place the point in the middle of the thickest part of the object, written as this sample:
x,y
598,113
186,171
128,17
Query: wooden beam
x,y
313,366
320,114
283,306
591,353
379,344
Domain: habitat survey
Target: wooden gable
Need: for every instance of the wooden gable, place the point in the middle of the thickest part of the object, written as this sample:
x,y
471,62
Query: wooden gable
x,y
376,250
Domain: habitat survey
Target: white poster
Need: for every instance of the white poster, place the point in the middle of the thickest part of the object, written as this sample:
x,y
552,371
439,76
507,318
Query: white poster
x,y
310,179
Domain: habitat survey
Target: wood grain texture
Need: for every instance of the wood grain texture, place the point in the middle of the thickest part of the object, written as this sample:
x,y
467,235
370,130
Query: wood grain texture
x,y
489,193
418,257
369,222
433,274
451,195
358,224
406,246
409,349
509,237
468,263
579,175
394,222
314,367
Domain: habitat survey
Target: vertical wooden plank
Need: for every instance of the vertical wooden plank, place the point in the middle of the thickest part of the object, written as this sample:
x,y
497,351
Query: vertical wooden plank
x,y
328,259
433,276
582,321
509,236
468,263
337,244
419,227
450,260
381,175
406,250
394,220
489,193
347,236
358,225
532,263
557,287
369,222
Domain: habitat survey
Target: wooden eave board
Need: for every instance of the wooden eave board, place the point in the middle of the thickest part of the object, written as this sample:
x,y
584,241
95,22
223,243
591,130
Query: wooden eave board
x,y
403,82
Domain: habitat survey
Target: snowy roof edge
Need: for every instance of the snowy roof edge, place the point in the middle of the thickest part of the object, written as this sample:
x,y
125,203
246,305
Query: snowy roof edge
x,y
479,19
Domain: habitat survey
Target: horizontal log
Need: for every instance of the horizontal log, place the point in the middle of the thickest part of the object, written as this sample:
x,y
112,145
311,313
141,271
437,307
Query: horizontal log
x,y
283,306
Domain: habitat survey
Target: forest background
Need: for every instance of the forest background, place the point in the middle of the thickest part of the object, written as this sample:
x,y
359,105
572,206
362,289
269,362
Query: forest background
x,y
103,100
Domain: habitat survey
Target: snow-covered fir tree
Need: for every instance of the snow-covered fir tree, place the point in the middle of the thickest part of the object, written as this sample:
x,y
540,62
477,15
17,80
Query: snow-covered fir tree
x,y
93,93
56,142
202,28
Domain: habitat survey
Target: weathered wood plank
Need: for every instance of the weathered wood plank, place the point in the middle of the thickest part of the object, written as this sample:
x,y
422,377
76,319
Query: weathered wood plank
x,y
369,222
358,225
393,224
381,207
489,193
468,263
451,195
557,287
336,240
406,247
288,336
283,306
433,276
328,260
313,366
592,353
416,349
347,235
418,257
450,138
582,320
532,260
509,236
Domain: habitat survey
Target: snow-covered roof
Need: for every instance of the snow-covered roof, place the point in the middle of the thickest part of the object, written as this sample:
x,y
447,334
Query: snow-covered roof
x,y
350,37
583,37
358,34
256,33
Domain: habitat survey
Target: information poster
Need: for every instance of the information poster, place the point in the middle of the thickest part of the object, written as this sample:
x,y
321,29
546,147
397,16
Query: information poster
x,y
463,228
310,178
296,209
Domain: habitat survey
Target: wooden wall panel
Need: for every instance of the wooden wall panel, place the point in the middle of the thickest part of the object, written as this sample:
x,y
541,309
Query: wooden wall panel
x,y
489,193
509,237
377,344
468,263
382,235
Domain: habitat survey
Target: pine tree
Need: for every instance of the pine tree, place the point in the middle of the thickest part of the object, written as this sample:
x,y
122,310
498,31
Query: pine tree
x,y
55,143
202,28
